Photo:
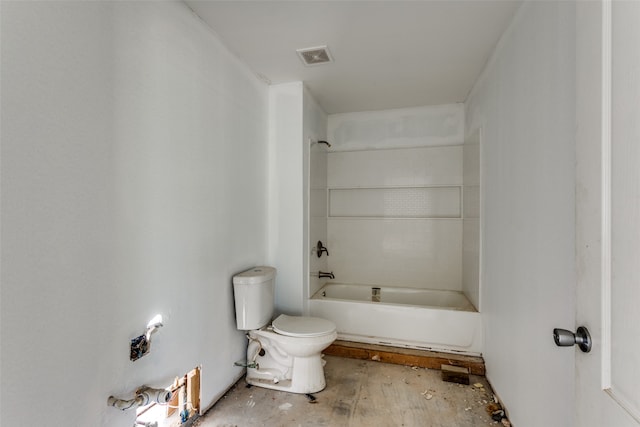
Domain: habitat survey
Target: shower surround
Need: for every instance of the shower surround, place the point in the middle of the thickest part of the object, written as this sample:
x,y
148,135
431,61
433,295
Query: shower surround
x,y
393,204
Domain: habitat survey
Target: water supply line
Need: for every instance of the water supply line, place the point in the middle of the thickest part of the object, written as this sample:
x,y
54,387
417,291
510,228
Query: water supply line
x,y
253,363
152,328
274,374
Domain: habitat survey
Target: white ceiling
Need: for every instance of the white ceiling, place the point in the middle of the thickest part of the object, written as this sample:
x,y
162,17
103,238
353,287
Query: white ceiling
x,y
388,54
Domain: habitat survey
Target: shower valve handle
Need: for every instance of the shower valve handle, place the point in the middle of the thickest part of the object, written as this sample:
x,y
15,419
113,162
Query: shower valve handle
x,y
320,249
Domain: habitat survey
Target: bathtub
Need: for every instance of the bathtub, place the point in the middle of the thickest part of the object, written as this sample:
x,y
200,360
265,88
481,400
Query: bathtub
x,y
415,318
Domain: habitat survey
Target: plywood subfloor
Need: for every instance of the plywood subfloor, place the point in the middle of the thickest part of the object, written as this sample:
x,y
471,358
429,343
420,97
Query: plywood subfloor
x,y
360,393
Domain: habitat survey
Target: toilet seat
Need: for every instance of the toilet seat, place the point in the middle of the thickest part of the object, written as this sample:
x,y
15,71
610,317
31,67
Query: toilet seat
x,y
302,326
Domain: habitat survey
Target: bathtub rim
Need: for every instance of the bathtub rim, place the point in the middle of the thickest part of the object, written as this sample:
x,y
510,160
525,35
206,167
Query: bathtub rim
x,y
364,329
317,297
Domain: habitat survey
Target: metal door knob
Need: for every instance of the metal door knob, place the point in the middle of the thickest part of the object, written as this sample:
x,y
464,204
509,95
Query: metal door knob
x,y
564,338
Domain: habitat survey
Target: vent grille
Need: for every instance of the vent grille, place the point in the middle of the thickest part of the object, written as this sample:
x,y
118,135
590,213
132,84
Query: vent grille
x,y
315,55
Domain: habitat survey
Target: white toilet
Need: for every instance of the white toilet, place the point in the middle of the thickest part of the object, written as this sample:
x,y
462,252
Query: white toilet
x,y
284,354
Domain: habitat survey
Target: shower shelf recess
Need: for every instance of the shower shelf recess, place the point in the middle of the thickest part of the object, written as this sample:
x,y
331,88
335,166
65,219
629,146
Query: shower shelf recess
x,y
423,202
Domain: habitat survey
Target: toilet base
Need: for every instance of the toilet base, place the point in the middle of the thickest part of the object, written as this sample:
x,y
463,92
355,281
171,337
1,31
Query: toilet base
x,y
306,376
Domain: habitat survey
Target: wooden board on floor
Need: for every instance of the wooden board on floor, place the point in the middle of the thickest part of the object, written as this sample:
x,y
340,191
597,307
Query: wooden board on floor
x,y
455,374
404,356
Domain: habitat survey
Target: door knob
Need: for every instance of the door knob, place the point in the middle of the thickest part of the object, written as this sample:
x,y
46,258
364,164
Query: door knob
x,y
564,338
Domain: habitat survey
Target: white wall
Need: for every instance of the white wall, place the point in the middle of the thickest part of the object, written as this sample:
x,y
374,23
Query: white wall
x,y
287,195
133,183
296,180
525,103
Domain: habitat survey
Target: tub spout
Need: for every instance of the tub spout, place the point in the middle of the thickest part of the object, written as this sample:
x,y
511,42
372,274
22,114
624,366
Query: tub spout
x,y
322,274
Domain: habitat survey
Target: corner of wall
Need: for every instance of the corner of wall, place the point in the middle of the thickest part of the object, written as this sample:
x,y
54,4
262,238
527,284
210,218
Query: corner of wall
x,y
315,184
286,194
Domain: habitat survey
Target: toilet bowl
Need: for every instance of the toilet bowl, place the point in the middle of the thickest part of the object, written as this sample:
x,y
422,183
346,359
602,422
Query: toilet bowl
x,y
291,358
284,354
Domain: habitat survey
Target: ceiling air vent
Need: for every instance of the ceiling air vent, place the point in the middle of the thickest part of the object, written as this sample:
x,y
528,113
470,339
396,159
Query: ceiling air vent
x,y
315,55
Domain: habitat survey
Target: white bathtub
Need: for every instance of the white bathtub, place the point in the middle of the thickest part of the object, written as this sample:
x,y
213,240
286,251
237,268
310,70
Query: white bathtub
x,y
416,318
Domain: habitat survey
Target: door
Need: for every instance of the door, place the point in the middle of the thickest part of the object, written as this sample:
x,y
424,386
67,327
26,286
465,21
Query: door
x,y
608,212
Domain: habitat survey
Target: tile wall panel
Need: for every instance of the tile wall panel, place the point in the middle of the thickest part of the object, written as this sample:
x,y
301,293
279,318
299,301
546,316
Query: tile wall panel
x,y
375,232
406,202
419,253
409,167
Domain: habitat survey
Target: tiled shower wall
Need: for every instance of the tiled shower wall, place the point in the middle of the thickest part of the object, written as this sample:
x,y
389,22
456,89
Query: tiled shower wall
x,y
315,128
394,217
394,197
317,215
471,222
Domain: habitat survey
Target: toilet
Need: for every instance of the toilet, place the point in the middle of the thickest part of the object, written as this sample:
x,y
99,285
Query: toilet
x,y
283,354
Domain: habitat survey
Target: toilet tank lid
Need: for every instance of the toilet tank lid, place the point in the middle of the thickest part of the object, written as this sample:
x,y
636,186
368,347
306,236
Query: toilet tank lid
x,y
255,275
302,326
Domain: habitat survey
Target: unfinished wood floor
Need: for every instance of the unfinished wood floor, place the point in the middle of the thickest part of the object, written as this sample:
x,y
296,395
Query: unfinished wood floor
x,y
359,393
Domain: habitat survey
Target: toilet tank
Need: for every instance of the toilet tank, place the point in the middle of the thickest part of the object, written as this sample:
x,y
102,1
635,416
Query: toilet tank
x,y
253,293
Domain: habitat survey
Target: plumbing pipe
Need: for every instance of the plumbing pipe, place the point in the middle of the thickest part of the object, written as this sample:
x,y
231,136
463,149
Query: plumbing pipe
x,y
123,404
154,395
151,329
257,352
276,354
271,374
144,396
